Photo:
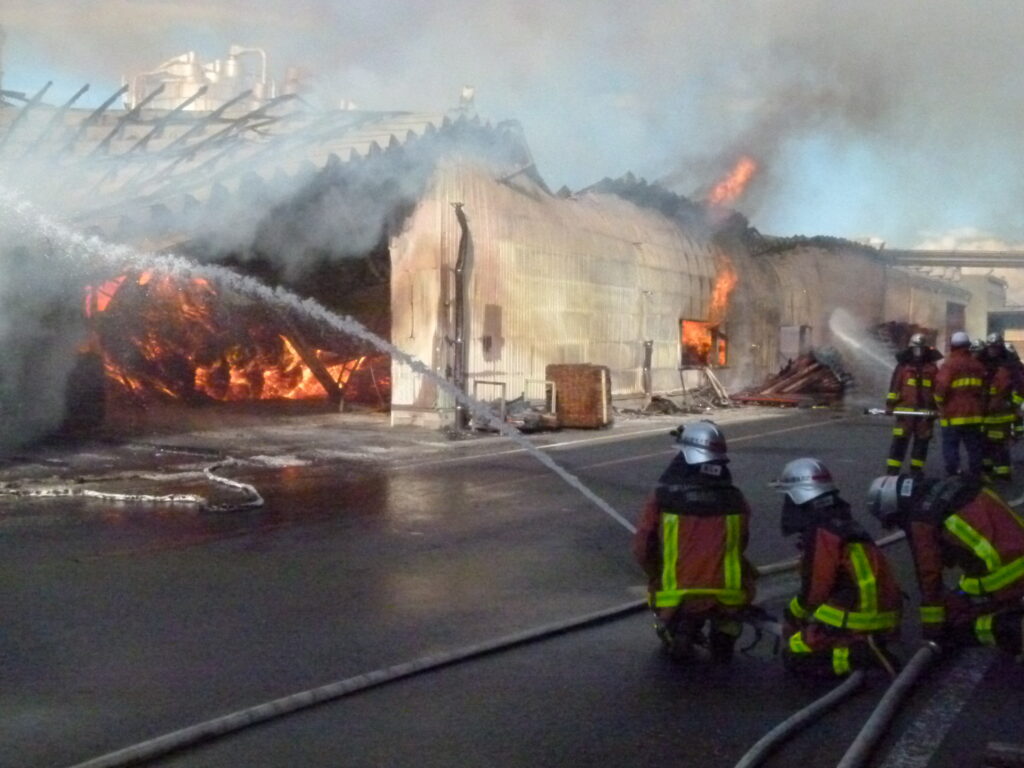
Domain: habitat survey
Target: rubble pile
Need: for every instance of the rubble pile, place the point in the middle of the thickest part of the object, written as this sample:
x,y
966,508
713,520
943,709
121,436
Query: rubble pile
x,y
817,378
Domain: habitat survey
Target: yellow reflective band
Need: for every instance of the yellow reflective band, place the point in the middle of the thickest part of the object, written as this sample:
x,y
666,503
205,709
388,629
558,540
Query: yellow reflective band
x,y
1003,418
733,571
961,421
939,398
892,396
797,608
1017,399
977,543
856,620
995,435
1002,469
797,644
966,382
912,382
993,582
670,551
933,614
983,629
667,598
893,462
866,584
898,431
916,463
926,382
841,661
922,382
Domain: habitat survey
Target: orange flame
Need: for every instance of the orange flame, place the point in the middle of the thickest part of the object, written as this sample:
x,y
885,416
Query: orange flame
x,y
724,283
171,339
735,183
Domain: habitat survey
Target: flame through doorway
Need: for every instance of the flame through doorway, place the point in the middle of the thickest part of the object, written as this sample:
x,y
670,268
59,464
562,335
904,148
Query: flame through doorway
x,y
170,339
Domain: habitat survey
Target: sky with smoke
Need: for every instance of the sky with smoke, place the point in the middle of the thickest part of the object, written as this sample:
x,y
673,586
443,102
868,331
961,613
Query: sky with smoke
x,y
902,121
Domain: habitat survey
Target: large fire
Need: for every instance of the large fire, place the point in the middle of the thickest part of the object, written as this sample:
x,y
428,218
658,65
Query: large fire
x,y
702,344
733,185
179,340
725,281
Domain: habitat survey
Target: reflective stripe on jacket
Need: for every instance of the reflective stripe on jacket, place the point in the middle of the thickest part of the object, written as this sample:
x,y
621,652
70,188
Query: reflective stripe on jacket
x,y
912,387
691,541
972,528
847,582
960,389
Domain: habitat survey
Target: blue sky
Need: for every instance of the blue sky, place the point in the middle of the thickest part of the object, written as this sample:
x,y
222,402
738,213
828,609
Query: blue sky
x,y
897,120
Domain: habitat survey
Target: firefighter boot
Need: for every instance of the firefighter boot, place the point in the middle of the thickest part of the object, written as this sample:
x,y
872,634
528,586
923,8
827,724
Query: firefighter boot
x,y
722,638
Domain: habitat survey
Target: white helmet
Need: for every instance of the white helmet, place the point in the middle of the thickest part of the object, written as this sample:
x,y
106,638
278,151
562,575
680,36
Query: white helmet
x,y
994,338
700,442
917,340
960,339
884,497
804,479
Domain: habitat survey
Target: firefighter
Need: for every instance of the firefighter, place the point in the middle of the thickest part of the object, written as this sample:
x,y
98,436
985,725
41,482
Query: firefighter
x,y
1017,369
959,522
1000,408
691,542
848,607
959,388
911,399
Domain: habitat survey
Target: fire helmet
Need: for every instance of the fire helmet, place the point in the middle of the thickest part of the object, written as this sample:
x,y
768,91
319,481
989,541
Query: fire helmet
x,y
917,340
885,496
959,339
1010,348
977,345
994,338
700,442
804,480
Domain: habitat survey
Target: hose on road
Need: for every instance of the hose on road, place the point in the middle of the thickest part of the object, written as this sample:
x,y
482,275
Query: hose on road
x,y
876,726
236,721
800,719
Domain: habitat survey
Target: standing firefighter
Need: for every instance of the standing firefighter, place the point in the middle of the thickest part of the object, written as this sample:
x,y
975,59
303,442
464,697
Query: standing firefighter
x,y
912,400
1017,369
959,394
849,603
691,542
1000,408
958,522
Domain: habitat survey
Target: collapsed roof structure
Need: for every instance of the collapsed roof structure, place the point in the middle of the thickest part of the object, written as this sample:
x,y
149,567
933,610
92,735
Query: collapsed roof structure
x,y
438,232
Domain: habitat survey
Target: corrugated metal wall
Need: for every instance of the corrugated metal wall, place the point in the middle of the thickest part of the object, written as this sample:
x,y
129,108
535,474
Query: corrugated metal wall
x,y
550,281
588,279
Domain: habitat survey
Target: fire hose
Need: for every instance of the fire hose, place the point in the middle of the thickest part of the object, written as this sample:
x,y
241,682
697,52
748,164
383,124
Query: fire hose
x,y
190,499
241,719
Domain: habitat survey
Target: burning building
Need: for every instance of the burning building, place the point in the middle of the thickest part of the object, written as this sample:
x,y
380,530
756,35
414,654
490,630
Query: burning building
x,y
437,232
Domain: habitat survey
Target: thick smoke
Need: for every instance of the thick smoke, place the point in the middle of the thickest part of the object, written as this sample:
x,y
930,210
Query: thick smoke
x,y
868,118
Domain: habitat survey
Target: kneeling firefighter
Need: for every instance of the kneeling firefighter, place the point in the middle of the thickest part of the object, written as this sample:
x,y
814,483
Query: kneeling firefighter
x,y
960,523
849,603
691,541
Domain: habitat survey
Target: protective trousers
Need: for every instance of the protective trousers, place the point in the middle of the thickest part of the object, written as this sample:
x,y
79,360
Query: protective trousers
x,y
1002,630
807,654
906,429
974,442
998,439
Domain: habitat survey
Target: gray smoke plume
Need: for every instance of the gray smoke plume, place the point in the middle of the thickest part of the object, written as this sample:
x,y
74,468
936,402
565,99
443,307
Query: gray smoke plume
x,y
867,118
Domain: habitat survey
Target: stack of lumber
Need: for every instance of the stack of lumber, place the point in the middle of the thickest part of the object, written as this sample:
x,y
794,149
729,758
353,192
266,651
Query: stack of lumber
x,y
804,381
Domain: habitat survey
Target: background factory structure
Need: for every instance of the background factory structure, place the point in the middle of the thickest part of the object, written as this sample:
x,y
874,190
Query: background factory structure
x,y
437,232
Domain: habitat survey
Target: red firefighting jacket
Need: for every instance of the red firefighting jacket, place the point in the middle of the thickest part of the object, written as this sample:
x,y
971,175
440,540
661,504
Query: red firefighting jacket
x,y
959,389
1000,407
847,583
692,537
962,523
913,382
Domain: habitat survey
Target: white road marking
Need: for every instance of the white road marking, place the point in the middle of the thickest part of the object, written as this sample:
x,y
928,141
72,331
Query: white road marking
x,y
608,438
919,742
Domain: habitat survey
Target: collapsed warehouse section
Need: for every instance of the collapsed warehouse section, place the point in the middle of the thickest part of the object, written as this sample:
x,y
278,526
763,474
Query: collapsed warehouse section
x,y
437,232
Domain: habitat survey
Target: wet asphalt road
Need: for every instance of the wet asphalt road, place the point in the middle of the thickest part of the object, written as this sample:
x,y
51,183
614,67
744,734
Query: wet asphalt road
x,y
121,625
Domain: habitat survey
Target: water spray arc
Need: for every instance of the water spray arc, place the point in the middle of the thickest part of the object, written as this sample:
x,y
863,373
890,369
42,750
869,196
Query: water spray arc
x,y
117,257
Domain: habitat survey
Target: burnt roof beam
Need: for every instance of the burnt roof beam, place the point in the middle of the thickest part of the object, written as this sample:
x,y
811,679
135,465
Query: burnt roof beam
x,y
29,106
